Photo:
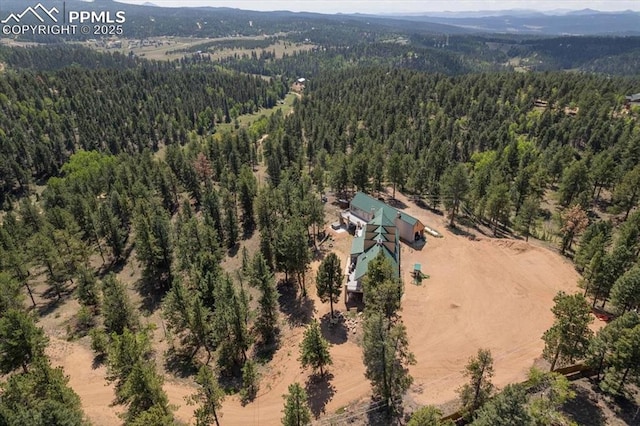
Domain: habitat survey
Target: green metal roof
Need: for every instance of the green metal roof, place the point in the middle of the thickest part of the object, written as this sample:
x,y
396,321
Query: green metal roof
x,y
379,235
382,218
363,261
367,203
358,244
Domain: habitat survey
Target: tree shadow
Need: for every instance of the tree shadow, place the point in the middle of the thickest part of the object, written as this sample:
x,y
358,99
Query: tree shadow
x,y
298,310
264,351
584,410
319,252
426,206
114,266
461,232
394,202
319,391
627,409
378,414
180,363
51,305
231,379
233,251
335,331
98,360
152,293
247,232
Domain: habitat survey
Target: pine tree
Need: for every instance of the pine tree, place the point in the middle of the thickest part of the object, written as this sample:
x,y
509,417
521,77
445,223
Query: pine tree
x,y
45,252
625,293
212,213
575,181
455,185
208,398
359,171
527,216
117,310
10,294
569,336
21,341
383,291
428,416
230,326
395,172
296,408
623,362
329,280
498,205
293,253
600,355
339,176
40,397
250,381
386,358
142,391
594,241
479,370
627,193
555,390
262,278
506,409
247,191
314,349
154,244
187,316
113,231
231,229
13,256
385,299
87,288
157,415
124,351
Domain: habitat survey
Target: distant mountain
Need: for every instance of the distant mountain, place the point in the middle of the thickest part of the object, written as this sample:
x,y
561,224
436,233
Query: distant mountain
x,y
151,20
469,14
580,22
146,21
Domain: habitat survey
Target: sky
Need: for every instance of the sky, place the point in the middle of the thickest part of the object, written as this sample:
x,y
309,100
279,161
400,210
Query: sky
x,y
400,6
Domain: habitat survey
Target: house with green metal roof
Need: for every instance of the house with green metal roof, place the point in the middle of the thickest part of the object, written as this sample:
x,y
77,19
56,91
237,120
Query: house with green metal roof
x,y
364,207
379,235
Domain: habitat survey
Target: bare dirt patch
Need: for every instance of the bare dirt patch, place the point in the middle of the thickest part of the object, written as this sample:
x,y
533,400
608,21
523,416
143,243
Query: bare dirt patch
x,y
482,293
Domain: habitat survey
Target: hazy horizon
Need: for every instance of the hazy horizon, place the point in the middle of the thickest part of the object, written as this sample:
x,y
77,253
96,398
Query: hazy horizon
x,y
400,6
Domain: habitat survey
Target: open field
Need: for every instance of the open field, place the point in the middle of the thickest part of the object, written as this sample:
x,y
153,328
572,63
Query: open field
x,y
170,48
245,120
